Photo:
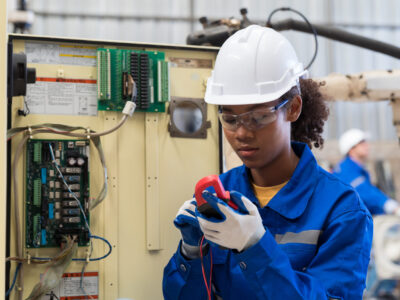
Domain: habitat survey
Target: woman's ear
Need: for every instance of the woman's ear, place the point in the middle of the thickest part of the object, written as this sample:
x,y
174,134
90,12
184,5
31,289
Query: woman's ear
x,y
294,110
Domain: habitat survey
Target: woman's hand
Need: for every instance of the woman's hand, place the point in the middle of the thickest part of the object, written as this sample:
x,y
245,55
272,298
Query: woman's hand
x,y
238,229
187,223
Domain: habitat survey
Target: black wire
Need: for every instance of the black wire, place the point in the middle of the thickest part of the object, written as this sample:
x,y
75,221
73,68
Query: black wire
x,y
53,295
269,24
25,111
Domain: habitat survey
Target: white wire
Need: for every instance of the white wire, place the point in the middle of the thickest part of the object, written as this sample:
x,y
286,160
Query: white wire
x,y
19,247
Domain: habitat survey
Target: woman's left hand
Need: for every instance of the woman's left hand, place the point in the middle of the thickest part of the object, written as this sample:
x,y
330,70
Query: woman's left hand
x,y
238,229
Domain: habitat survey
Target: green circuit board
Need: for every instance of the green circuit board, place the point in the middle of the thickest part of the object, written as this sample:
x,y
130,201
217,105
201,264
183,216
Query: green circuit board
x,y
117,69
51,212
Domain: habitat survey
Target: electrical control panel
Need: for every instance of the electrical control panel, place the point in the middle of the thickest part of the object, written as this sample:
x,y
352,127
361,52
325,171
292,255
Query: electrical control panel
x,y
118,70
51,210
74,88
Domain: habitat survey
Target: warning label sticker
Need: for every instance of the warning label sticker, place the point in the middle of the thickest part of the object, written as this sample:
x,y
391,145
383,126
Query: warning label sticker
x,y
58,96
70,287
60,54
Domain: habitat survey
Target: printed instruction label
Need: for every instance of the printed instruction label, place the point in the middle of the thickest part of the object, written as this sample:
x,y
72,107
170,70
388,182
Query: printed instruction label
x,y
60,54
57,96
70,289
178,62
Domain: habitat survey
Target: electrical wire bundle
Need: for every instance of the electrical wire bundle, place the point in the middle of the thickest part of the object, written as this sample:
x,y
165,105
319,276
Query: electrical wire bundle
x,y
61,261
50,278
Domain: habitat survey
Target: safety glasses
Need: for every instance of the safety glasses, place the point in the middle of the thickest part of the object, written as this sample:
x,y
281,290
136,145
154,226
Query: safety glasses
x,y
252,120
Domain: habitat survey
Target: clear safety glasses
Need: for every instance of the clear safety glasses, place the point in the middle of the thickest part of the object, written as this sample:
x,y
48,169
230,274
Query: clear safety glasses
x,y
252,120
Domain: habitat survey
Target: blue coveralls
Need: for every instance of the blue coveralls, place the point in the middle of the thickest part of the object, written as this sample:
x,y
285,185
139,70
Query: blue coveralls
x,y
352,173
316,246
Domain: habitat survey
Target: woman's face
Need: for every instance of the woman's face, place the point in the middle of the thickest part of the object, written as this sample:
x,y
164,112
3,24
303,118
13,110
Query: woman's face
x,y
258,148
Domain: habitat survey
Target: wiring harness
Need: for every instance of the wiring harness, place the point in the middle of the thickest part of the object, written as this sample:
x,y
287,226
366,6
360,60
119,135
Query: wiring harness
x,y
60,261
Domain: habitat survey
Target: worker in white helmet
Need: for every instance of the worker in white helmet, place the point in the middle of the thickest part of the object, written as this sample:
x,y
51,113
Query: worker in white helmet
x,y
299,232
354,146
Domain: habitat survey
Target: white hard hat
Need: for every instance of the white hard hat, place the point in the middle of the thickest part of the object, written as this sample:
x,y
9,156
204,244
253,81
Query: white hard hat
x,y
255,65
351,138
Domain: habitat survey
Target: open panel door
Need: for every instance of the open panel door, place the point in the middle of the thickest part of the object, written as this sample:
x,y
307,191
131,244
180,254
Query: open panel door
x,y
150,173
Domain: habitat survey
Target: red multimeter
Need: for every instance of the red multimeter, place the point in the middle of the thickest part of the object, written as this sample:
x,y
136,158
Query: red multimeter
x,y
202,205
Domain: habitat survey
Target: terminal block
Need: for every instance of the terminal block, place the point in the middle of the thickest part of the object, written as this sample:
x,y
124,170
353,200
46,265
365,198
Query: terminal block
x,y
119,71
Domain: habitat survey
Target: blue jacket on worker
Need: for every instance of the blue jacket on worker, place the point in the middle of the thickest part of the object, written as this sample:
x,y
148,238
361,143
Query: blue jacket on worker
x,y
354,174
316,245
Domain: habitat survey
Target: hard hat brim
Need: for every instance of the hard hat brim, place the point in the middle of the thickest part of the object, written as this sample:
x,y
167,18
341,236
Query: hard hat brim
x,y
243,99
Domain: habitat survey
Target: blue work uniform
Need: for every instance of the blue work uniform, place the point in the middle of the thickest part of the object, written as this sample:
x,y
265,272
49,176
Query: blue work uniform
x,y
354,174
316,245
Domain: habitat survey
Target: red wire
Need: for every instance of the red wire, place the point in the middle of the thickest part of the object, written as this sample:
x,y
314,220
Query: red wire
x,y
211,268
202,266
208,286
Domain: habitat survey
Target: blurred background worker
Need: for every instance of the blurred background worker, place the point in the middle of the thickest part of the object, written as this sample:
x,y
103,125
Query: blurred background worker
x,y
354,146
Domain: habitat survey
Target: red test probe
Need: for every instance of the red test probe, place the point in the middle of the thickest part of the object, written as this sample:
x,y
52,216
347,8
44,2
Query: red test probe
x,y
202,205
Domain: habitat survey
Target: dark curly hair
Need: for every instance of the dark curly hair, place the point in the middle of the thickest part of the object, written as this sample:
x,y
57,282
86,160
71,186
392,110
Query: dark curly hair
x,y
309,126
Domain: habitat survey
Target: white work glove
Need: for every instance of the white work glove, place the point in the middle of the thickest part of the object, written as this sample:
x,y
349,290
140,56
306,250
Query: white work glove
x,y
391,207
238,229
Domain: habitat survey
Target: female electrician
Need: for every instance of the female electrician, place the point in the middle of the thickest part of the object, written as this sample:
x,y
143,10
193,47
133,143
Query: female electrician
x,y
300,233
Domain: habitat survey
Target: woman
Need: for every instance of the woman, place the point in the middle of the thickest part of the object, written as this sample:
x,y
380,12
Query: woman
x,y
299,233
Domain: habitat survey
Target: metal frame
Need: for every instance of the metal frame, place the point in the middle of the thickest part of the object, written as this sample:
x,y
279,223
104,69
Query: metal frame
x,y
199,103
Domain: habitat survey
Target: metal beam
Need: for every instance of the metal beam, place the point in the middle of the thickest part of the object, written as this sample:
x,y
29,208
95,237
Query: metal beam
x,y
193,19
